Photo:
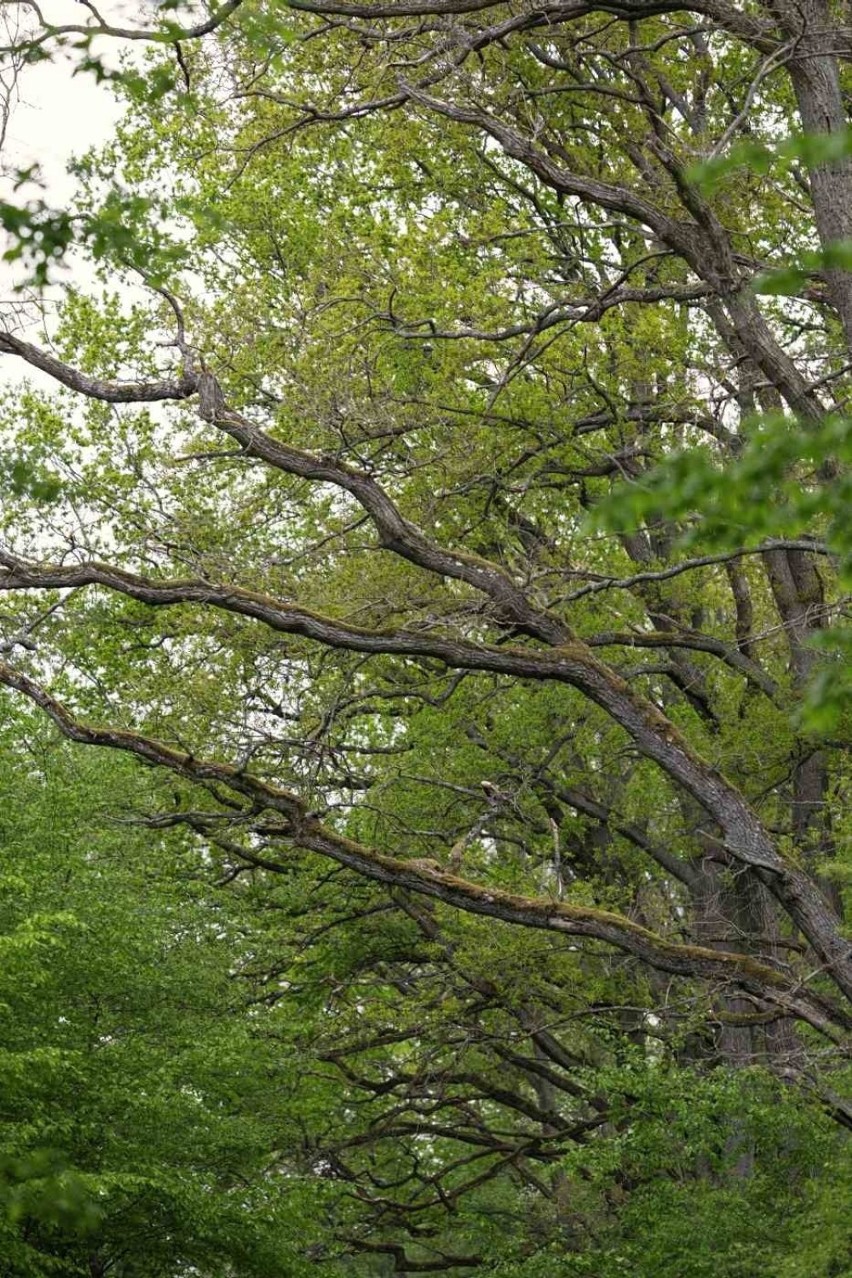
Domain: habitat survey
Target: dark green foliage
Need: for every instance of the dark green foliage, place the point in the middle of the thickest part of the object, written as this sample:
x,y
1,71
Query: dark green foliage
x,y
139,1113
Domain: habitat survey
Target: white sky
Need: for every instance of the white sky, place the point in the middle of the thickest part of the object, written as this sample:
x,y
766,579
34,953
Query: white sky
x,y
60,114
56,115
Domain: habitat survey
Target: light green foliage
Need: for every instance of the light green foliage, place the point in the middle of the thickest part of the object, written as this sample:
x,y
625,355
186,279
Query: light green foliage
x,y
758,157
791,479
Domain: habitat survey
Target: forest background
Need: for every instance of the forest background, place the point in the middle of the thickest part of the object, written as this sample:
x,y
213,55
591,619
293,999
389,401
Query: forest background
x,y
433,508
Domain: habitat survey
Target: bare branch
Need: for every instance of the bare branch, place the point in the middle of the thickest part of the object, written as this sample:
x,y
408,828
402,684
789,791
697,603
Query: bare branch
x,y
307,832
96,387
99,27
573,663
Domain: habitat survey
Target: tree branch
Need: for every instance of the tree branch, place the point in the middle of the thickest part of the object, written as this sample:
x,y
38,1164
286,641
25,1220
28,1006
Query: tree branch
x,y
102,28
572,663
429,879
96,387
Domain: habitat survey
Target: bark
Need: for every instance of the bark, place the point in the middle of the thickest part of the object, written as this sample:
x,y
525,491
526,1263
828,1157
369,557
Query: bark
x,y
816,39
572,663
306,831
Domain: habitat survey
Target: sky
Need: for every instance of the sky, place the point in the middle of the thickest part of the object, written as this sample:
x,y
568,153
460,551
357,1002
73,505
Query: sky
x,y
59,114
55,116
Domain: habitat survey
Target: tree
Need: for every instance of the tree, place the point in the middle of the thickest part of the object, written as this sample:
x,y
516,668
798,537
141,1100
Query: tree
x,y
138,1119
427,290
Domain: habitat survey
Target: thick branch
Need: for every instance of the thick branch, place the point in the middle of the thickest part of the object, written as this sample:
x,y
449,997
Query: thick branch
x,y
700,241
758,32
395,532
572,663
428,879
96,387
697,642
567,659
